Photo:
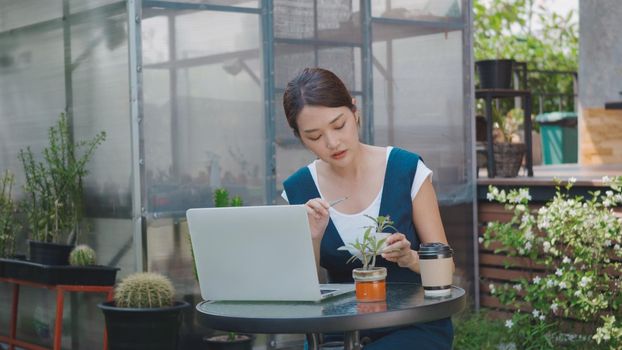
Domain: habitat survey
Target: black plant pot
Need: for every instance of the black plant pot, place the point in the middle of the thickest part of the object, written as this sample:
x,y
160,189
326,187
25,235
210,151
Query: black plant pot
x,y
218,343
49,253
143,329
495,74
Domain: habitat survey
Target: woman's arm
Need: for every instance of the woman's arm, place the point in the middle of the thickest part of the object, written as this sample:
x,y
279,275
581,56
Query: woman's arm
x,y
427,219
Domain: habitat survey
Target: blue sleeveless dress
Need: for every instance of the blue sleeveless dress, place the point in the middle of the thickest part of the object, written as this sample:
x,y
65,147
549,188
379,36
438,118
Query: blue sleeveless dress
x,y
397,203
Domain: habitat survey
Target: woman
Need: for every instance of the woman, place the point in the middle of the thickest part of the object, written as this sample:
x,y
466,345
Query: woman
x,y
376,181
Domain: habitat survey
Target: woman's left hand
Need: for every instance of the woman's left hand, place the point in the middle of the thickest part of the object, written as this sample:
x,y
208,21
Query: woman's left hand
x,y
398,251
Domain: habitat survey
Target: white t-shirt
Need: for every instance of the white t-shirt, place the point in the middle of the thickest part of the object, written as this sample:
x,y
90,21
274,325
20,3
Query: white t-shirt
x,y
351,226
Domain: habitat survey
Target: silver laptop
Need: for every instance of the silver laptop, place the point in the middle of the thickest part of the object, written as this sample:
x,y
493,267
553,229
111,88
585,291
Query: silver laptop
x,y
260,253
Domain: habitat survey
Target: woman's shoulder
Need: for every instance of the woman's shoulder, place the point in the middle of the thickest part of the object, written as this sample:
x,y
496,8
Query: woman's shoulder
x,y
404,155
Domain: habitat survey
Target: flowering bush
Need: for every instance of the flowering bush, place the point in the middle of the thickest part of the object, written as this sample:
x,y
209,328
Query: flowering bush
x,y
575,243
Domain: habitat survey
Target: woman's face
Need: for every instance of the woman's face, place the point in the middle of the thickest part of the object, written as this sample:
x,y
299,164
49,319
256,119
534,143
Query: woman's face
x,y
330,133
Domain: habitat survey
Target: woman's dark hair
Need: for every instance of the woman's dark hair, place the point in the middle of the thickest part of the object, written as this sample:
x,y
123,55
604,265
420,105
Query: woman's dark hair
x,y
314,87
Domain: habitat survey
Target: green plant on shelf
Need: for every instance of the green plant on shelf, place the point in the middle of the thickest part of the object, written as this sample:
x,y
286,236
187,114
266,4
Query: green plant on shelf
x,y
53,202
9,226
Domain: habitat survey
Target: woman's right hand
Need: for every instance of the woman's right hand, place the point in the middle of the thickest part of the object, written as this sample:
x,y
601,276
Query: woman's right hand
x,y
317,212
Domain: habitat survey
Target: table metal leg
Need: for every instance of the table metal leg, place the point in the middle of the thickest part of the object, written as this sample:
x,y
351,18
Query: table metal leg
x,y
313,341
58,324
351,341
13,332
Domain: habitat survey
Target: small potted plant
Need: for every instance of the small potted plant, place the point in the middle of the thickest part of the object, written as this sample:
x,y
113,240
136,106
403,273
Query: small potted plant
x,y
229,341
369,280
143,314
508,149
53,190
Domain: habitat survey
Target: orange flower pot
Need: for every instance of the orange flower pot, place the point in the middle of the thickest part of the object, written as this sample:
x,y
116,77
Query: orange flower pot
x,y
370,284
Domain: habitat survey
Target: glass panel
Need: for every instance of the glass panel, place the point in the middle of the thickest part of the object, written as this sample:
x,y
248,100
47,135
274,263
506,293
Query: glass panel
x,y
343,61
204,126
288,61
15,14
100,98
156,46
339,20
32,94
83,5
233,3
206,33
294,19
417,9
418,104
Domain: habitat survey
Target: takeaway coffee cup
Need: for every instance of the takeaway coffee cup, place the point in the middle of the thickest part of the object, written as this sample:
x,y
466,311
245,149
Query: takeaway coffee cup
x,y
435,260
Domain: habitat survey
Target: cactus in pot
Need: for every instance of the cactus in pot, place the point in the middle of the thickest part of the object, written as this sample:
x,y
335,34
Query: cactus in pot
x,y
144,290
143,315
82,255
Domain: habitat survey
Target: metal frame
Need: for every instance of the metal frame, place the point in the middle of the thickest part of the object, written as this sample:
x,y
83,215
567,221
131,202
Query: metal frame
x,y
134,19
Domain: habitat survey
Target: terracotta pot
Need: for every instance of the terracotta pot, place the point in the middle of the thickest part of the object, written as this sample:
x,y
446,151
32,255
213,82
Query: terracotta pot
x,y
370,284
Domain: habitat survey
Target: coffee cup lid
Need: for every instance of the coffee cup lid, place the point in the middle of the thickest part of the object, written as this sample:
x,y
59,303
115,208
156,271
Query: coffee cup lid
x,y
435,249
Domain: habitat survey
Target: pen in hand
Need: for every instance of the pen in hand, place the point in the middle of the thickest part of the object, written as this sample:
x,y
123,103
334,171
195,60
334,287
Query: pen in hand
x,y
337,201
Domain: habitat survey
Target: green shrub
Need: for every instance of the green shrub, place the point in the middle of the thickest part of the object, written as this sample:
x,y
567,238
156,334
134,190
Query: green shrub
x,y
8,224
82,255
578,241
144,290
54,188
475,331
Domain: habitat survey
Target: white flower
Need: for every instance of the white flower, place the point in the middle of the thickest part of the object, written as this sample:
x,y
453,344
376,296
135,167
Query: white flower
x,y
609,193
608,243
521,207
589,293
572,179
480,240
528,245
518,287
606,179
566,260
546,246
577,293
490,196
536,279
584,281
550,283
607,203
492,288
559,272
529,235
562,285
542,317
616,247
535,313
554,307
521,251
509,323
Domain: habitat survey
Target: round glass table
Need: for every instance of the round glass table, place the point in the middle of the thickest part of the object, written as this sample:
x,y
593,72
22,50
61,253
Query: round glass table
x,y
405,304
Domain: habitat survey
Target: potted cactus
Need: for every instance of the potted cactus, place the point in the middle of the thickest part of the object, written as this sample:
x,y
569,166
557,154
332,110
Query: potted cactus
x,y
82,255
369,280
143,314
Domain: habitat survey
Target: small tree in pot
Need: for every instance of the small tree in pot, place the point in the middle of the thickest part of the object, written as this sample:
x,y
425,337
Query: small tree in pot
x,y
370,280
143,315
508,149
54,205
